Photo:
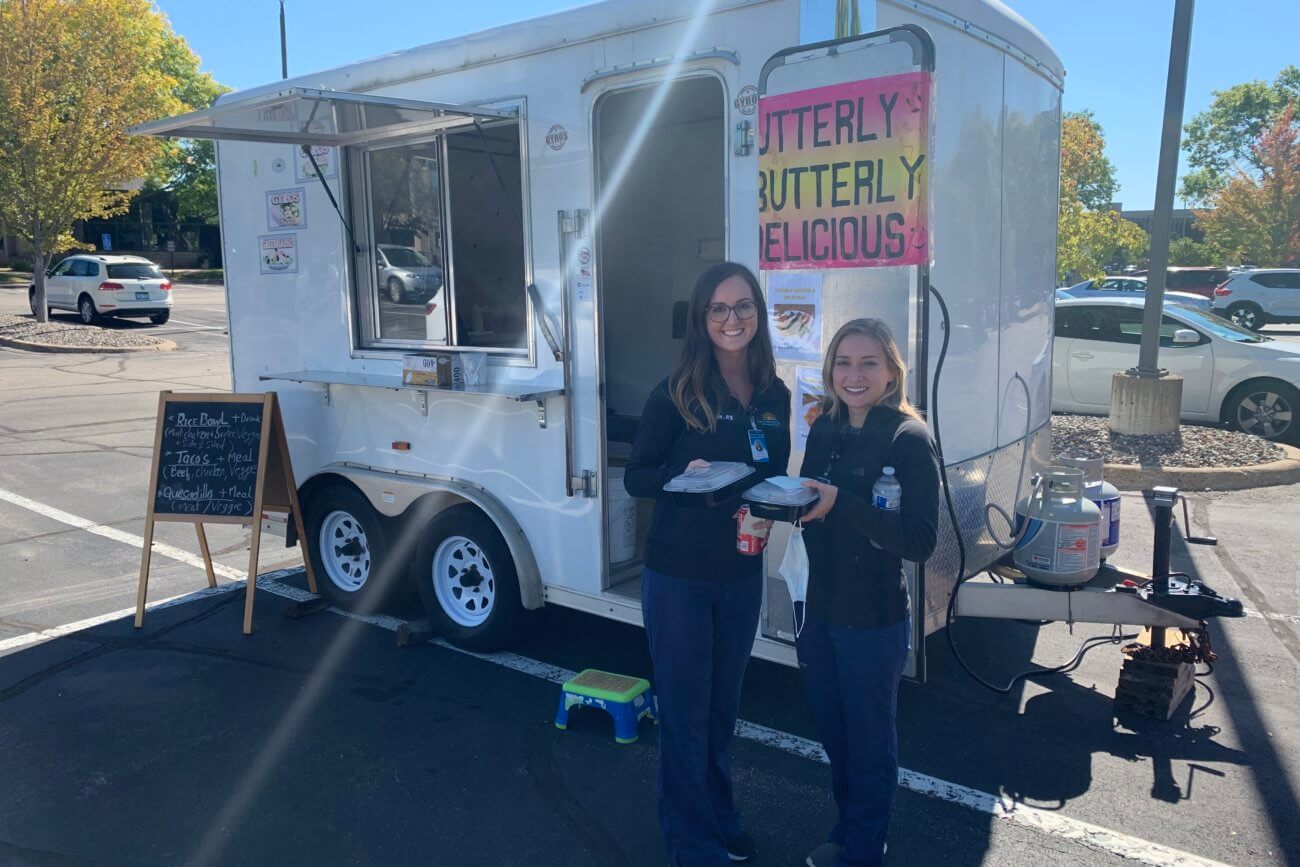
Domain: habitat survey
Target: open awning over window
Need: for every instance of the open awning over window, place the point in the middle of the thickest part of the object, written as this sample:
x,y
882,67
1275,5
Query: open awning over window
x,y
302,116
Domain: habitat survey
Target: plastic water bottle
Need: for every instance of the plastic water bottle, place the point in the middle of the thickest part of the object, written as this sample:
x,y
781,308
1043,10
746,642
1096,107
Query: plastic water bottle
x,y
886,493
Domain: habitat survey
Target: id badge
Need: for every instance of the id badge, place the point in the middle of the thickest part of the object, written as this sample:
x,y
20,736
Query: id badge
x,y
758,446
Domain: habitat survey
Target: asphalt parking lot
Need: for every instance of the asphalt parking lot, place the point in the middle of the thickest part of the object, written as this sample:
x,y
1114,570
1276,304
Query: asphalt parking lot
x,y
321,741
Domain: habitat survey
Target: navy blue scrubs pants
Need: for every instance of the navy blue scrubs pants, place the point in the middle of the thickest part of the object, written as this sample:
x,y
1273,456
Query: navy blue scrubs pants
x,y
852,676
701,633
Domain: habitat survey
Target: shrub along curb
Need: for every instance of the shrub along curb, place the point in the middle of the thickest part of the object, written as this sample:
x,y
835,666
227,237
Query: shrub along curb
x,y
1135,477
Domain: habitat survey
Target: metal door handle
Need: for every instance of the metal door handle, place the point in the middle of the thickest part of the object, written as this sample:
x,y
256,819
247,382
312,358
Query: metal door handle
x,y
1083,356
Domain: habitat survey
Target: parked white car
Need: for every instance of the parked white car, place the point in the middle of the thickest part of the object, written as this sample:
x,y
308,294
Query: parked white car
x,y
1133,287
1230,374
1258,297
98,286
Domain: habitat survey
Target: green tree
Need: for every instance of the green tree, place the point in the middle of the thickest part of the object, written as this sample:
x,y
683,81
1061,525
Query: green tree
x,y
1088,240
1220,137
1256,214
1089,236
187,167
1186,252
64,111
1084,166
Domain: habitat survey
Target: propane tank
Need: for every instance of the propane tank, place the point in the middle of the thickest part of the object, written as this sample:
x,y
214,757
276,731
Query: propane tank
x,y
1061,541
1105,495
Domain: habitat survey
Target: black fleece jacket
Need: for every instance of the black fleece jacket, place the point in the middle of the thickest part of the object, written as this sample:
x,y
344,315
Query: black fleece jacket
x,y
851,582
701,543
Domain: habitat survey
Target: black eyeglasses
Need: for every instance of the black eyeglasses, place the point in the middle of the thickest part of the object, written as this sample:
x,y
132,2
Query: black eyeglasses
x,y
719,312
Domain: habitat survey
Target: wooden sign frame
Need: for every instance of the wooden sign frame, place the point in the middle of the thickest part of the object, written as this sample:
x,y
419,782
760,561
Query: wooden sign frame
x,y
274,489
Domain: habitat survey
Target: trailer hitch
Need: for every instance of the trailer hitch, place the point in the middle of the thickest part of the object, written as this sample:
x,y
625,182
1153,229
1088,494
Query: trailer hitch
x,y
1179,592
1189,597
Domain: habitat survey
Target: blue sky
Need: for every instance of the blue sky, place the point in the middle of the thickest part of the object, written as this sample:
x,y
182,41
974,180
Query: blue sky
x,y
1115,51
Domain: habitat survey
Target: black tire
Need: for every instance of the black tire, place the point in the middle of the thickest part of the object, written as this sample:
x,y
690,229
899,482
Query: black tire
x,y
160,318
352,566
87,311
396,291
1266,408
1247,314
479,577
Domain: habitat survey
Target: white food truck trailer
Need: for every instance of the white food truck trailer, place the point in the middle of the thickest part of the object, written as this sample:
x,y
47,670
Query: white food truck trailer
x,y
547,192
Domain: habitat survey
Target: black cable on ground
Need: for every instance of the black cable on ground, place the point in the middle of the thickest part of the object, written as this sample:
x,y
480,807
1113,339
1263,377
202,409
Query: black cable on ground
x,y
1085,645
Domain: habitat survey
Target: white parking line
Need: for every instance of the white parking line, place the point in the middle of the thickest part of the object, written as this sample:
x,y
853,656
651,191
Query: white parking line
x,y
1048,822
197,325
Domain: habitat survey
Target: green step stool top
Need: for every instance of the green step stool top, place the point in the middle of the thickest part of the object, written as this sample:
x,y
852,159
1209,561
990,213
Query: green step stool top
x,y
626,699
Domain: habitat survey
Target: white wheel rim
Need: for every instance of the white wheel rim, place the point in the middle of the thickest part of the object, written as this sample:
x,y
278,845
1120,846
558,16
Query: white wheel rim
x,y
463,581
344,551
1245,317
1264,414
87,311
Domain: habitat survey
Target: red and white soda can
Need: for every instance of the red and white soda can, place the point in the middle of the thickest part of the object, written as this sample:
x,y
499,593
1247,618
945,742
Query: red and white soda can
x,y
751,533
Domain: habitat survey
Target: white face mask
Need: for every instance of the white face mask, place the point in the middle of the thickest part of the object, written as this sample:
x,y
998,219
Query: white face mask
x,y
794,569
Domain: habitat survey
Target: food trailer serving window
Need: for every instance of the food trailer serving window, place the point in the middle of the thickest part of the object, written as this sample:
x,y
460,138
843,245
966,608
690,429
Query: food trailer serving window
x,y
445,259
434,203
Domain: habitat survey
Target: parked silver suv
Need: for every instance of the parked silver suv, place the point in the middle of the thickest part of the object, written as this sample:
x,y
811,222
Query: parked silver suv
x,y
1256,298
405,275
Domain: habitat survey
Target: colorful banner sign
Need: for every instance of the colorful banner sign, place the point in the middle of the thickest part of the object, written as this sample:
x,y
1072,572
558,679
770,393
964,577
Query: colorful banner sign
x,y
844,175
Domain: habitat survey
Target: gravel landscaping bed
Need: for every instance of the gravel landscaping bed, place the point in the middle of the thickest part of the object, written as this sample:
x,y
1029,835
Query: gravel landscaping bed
x,y
1089,436
78,336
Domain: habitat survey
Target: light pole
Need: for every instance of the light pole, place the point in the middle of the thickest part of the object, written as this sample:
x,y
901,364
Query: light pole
x,y
1145,399
284,46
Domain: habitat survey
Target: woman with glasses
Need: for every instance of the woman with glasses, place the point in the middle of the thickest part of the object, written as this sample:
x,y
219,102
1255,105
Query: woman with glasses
x,y
701,597
856,635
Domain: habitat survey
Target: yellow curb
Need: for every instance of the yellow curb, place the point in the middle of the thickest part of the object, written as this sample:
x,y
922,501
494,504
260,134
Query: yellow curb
x,y
1136,477
164,345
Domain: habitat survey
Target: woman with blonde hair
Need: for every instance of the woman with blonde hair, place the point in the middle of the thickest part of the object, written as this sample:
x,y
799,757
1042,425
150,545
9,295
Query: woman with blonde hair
x,y
857,632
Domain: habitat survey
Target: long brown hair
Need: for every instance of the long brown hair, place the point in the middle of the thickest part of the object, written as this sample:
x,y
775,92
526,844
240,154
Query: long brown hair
x,y
696,384
896,397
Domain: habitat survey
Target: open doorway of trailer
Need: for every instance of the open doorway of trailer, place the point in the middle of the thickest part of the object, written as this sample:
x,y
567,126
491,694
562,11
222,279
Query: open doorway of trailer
x,y
660,163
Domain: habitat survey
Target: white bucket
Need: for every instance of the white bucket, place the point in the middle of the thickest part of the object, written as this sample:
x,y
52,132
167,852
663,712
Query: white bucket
x,y
622,519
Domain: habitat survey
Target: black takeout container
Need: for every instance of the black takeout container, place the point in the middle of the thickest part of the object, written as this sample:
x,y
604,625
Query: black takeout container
x,y
767,500
717,484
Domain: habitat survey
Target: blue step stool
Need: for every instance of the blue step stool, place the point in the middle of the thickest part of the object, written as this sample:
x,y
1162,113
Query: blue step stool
x,y
626,699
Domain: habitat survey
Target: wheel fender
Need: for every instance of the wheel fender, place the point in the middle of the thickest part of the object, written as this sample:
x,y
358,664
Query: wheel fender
x,y
392,494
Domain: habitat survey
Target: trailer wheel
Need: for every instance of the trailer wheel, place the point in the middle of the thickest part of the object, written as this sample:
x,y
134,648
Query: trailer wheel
x,y
348,550
467,580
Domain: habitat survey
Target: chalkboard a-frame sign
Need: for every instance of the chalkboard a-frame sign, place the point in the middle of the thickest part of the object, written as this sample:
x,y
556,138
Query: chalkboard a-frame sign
x,y
219,459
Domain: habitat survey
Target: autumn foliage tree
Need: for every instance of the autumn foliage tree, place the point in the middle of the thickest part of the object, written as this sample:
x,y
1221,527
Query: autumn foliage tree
x,y
1089,234
1255,215
74,74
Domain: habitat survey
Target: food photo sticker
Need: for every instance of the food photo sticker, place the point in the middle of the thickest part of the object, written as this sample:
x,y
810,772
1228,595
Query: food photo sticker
x,y
326,158
808,394
279,253
286,209
794,313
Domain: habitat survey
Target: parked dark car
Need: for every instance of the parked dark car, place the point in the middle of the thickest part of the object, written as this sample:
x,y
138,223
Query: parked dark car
x,y
1200,280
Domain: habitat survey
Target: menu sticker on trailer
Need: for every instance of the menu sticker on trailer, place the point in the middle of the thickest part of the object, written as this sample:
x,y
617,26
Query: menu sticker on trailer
x,y
286,209
326,157
279,253
843,175
794,311
808,394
